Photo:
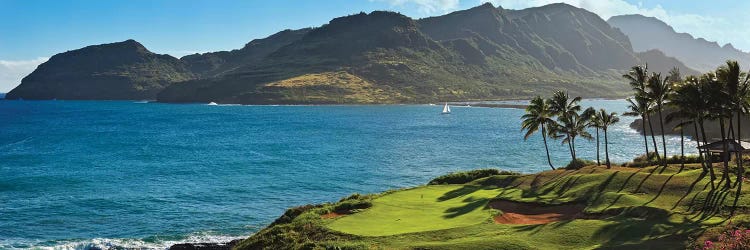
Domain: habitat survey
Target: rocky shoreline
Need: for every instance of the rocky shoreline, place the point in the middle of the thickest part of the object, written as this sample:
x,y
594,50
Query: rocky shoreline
x,y
205,246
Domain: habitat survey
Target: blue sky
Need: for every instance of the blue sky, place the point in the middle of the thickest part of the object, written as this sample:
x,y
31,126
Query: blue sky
x,y
33,30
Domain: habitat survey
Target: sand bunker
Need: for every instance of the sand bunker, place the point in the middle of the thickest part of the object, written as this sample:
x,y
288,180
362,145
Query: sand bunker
x,y
530,213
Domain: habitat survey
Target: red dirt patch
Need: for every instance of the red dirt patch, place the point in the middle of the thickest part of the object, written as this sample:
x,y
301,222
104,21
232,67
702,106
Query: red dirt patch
x,y
530,213
331,215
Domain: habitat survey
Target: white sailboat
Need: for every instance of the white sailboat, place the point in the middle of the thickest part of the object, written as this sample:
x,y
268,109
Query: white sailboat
x,y
446,109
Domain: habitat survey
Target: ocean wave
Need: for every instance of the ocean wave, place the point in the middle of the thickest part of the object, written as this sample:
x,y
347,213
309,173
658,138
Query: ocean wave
x,y
153,242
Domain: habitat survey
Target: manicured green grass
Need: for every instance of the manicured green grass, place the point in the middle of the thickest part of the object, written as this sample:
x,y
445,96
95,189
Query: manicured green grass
x,y
631,208
420,209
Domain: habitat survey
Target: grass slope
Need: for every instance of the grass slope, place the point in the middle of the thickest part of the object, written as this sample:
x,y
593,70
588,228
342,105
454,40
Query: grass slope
x,y
635,209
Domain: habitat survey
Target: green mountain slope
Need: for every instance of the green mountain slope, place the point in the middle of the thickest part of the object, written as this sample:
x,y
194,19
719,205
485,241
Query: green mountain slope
x,y
123,70
479,53
381,57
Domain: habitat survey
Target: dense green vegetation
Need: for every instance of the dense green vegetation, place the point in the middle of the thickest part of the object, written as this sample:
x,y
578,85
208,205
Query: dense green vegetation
x,y
467,176
479,53
123,70
625,208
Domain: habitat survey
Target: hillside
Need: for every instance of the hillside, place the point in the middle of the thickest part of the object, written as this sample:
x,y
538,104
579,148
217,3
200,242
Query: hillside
x,y
380,57
647,33
479,53
123,70
590,208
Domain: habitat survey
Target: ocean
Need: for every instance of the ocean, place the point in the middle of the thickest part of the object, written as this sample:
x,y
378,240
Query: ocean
x,y
104,174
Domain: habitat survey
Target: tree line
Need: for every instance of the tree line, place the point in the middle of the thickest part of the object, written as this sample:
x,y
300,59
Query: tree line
x,y
721,95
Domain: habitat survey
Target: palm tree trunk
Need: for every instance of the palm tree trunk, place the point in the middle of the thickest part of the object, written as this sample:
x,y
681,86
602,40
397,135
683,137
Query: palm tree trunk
x,y
709,164
606,149
597,147
544,137
653,138
725,155
663,140
570,147
645,137
740,168
573,146
682,147
698,144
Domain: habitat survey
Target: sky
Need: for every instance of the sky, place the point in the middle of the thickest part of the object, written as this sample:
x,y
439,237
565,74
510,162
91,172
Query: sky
x,y
31,31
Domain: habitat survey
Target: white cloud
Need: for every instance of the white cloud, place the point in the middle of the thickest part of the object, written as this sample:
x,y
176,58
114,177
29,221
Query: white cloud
x,y
11,72
711,28
426,6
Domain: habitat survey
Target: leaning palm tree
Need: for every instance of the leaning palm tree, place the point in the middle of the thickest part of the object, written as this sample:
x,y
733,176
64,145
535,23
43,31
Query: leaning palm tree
x,y
657,91
538,117
639,106
690,103
571,127
564,107
606,120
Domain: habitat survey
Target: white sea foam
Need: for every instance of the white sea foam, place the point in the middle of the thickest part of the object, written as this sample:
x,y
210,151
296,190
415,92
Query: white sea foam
x,y
118,243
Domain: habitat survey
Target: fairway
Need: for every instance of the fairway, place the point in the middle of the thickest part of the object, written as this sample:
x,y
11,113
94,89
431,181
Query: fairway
x,y
420,209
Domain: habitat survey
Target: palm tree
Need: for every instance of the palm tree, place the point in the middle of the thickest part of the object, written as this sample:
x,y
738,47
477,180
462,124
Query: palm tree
x,y
638,75
739,102
594,122
638,79
571,127
657,91
606,120
538,117
739,99
675,79
639,106
564,107
719,109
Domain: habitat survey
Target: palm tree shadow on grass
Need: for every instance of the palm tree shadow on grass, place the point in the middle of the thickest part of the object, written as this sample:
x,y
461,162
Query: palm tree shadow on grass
x,y
471,205
690,189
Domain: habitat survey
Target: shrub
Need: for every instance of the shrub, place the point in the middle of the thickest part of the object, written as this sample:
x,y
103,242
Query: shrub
x,y
348,206
292,213
578,164
730,239
642,161
468,176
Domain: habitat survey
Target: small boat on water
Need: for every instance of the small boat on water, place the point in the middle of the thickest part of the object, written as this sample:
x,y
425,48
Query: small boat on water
x,y
212,104
446,109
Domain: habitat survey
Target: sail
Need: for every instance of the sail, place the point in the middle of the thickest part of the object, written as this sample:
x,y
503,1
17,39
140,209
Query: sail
x,y
446,109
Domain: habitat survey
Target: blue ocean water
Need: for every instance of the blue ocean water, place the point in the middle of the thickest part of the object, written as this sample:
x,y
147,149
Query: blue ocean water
x,y
81,174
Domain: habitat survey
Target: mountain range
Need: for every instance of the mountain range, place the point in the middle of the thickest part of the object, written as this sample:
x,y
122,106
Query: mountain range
x,y
381,57
649,33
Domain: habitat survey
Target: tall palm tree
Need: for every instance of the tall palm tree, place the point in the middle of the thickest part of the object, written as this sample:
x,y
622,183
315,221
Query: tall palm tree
x,y
569,128
606,120
675,79
639,106
721,109
594,122
638,79
657,91
564,107
738,92
538,117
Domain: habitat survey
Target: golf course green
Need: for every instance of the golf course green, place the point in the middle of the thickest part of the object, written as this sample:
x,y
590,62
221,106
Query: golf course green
x,y
590,208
